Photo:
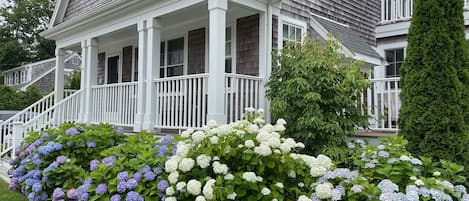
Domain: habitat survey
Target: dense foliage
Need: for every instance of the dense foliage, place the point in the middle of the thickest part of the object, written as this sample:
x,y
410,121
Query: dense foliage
x,y
245,160
22,21
73,80
435,100
317,90
10,99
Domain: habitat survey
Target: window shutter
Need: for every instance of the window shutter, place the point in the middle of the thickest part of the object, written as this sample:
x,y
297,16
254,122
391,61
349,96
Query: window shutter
x,y
247,45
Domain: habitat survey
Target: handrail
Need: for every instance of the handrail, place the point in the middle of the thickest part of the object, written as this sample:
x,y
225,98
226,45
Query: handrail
x,y
233,75
28,108
181,77
113,85
390,79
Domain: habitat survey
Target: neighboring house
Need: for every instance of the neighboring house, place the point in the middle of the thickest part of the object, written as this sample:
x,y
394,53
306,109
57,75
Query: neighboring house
x,y
40,74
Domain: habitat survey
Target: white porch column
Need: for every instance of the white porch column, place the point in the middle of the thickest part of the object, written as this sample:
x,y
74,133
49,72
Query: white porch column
x,y
265,59
59,74
216,80
153,72
90,75
142,63
81,114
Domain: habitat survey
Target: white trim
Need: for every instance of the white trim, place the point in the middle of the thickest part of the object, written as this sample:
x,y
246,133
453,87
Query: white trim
x,y
259,5
292,21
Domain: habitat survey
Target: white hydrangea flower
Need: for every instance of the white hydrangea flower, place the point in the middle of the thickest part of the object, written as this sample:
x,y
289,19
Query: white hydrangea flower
x,y
170,191
259,178
259,120
274,142
171,199
250,177
324,161
278,152
187,133
404,158
281,121
216,158
301,184
317,171
419,182
279,128
240,133
285,148
292,174
173,177
203,160
250,110
436,174
268,128
208,189
186,164
324,191
252,128
263,150
214,140
219,168
212,123
171,165
231,196
275,199
180,186
290,142
265,191
182,150
198,136
229,177
413,178
194,187
300,145
200,198
249,144
304,198
278,184
260,111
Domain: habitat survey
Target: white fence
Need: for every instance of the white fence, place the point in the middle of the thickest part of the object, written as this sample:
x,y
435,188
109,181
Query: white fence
x,y
114,103
181,102
241,91
395,10
24,116
383,103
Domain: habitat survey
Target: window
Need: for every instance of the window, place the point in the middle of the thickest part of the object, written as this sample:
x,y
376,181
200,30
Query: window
x,y
395,58
228,55
292,33
172,58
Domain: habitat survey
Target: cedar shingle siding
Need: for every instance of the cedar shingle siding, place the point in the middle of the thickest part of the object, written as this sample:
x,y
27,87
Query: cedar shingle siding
x,y
79,7
127,64
247,45
196,51
101,68
360,15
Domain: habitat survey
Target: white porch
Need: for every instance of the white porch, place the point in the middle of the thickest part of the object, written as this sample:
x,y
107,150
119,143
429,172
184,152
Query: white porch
x,y
174,69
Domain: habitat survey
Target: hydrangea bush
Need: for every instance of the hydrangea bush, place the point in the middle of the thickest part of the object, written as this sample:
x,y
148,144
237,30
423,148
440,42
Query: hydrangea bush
x,y
58,158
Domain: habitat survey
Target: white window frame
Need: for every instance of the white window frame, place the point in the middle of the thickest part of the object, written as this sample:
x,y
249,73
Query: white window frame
x,y
165,64
291,22
404,50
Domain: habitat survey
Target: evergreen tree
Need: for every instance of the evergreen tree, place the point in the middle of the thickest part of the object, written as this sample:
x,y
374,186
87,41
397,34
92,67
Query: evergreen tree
x,y
433,116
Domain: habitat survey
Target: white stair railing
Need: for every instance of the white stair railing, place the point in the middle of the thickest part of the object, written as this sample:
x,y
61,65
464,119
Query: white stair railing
x,y
181,102
6,127
241,91
114,103
383,103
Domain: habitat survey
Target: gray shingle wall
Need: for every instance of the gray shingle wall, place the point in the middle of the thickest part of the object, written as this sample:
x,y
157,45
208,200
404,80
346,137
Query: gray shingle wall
x,y
360,15
39,70
46,83
78,7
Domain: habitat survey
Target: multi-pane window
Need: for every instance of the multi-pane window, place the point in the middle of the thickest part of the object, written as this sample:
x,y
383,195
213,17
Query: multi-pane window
x,y
172,58
228,55
395,58
292,33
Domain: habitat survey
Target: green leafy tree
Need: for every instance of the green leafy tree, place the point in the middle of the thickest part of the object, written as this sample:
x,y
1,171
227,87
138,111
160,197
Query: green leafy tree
x,y
317,90
19,32
10,99
73,80
434,112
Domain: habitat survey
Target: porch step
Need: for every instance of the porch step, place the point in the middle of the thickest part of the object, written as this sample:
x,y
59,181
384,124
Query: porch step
x,y
374,134
4,167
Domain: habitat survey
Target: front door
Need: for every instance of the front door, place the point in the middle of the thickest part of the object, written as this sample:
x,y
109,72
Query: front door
x,y
113,70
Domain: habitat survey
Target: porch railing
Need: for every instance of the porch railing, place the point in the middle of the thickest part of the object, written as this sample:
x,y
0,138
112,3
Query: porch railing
x,y
114,103
181,102
24,116
383,103
241,91
396,10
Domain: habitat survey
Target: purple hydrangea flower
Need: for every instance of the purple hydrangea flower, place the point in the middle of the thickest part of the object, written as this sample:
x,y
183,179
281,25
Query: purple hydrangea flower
x,y
18,172
162,150
121,187
123,176
137,176
132,184
166,140
101,189
93,165
163,185
12,185
32,196
133,196
116,197
72,131
108,161
22,154
72,194
61,160
37,187
58,194
145,169
120,130
149,176
51,167
84,196
91,144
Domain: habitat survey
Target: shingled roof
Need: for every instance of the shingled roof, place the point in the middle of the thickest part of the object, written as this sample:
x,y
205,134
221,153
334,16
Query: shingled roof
x,y
348,37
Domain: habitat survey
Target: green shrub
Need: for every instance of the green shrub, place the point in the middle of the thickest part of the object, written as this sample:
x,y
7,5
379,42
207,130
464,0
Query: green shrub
x,y
317,90
73,80
10,99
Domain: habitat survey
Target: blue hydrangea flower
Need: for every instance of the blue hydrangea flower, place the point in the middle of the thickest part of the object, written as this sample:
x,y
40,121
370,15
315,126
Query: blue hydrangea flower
x,y
116,197
132,184
93,165
37,187
383,154
101,189
120,130
157,171
145,169
121,187
163,185
72,194
133,196
387,186
356,188
108,161
32,196
137,176
72,131
416,161
61,160
149,176
123,176
162,150
58,194
91,144
52,166
166,140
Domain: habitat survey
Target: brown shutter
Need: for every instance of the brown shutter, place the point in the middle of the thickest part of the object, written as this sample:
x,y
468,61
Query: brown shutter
x,y
136,64
274,32
127,64
101,66
196,51
247,45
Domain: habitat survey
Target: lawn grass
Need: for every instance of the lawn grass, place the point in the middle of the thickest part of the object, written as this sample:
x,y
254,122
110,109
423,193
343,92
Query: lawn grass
x,y
7,195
